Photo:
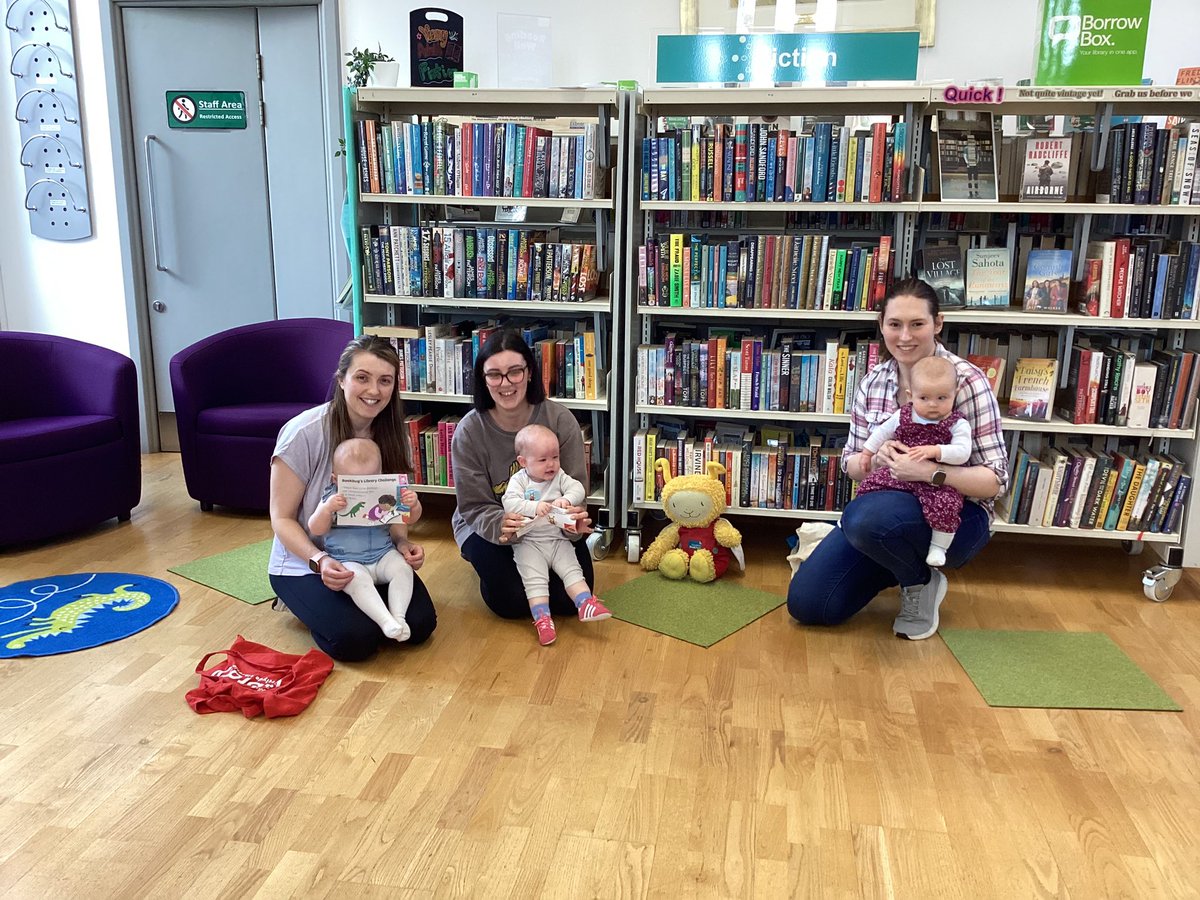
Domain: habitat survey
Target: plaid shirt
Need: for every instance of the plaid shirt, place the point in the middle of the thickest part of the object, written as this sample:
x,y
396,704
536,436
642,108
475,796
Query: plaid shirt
x,y
875,400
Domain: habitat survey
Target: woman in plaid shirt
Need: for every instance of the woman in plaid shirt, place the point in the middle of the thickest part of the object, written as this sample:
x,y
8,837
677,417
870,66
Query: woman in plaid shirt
x,y
882,538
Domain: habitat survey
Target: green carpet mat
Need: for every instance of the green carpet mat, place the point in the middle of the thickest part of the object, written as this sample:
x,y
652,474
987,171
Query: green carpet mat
x,y
240,573
1053,670
700,614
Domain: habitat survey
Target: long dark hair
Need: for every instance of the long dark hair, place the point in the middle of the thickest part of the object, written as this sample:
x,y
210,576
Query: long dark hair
x,y
498,342
387,429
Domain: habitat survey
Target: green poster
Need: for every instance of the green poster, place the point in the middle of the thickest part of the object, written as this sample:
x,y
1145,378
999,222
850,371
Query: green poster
x,y
1093,42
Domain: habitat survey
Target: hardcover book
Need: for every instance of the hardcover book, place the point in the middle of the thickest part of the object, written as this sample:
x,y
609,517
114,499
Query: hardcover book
x,y
966,155
942,268
987,277
372,499
1032,389
1047,169
1047,280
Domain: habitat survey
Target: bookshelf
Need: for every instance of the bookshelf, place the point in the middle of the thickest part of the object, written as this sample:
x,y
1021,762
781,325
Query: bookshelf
x,y
761,217
454,233
1076,223
911,215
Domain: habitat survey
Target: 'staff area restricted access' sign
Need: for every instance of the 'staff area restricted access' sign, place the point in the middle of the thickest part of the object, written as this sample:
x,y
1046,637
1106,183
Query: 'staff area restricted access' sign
x,y
206,109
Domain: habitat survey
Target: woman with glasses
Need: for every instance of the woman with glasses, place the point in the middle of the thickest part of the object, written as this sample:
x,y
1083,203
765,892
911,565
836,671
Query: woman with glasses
x,y
508,395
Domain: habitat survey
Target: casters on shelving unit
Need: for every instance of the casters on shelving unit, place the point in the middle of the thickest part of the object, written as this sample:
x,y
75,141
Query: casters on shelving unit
x,y
633,546
598,543
1133,548
1159,581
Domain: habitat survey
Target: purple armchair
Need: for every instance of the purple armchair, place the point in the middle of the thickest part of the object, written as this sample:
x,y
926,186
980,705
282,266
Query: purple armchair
x,y
70,446
235,390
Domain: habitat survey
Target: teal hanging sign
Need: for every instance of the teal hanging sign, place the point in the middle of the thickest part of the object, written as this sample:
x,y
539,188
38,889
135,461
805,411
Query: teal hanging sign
x,y
799,58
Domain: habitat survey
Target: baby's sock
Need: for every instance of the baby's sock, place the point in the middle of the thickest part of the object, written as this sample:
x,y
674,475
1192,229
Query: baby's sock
x,y
541,609
581,598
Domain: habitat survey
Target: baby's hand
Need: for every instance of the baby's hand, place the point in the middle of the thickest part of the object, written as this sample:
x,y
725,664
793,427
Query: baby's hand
x,y
562,503
866,460
928,452
336,503
543,508
409,497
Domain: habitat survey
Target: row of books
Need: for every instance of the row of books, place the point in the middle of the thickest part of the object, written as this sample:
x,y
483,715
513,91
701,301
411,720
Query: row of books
x,y
1149,164
800,373
768,271
1141,278
477,263
440,358
767,468
820,221
1079,486
429,444
748,161
1108,385
456,157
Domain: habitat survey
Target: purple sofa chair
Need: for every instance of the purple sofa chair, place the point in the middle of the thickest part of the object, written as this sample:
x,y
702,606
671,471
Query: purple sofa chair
x,y
233,391
70,445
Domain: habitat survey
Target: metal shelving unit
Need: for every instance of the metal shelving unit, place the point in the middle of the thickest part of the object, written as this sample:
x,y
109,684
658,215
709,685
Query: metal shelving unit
x,y
596,220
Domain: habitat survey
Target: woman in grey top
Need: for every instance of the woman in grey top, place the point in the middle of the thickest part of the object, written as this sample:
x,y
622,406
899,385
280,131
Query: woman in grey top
x,y
310,582
508,395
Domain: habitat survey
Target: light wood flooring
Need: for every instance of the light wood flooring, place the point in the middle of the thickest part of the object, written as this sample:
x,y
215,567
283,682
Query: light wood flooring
x,y
783,762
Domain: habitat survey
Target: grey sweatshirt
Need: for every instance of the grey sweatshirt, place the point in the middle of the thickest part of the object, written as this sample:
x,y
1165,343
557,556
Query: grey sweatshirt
x,y
484,459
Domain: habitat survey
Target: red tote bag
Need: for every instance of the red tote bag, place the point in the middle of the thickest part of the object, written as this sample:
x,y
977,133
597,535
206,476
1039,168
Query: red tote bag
x,y
256,679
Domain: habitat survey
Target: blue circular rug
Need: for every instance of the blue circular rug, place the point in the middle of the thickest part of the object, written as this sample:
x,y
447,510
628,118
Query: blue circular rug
x,y
61,613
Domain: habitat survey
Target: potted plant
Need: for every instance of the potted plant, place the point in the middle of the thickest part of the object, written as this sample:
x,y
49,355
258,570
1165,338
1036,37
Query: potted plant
x,y
363,64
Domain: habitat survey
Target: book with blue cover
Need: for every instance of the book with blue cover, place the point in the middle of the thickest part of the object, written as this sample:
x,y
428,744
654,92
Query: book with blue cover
x,y
1047,280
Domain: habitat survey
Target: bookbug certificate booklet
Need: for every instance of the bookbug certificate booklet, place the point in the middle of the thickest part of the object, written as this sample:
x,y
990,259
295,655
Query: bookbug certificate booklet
x,y
372,499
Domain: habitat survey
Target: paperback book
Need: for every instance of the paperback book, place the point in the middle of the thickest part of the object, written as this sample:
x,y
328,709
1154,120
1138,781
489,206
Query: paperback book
x,y
987,277
941,267
966,155
372,499
1032,389
1047,169
1047,280
992,368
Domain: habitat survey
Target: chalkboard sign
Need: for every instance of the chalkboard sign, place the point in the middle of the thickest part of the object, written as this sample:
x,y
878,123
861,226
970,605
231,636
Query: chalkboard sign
x,y
436,46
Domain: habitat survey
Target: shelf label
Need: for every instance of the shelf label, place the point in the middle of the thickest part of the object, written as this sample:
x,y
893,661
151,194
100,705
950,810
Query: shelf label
x,y
206,109
767,59
1092,41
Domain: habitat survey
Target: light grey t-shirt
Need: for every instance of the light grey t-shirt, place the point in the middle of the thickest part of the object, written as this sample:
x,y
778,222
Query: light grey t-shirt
x,y
303,446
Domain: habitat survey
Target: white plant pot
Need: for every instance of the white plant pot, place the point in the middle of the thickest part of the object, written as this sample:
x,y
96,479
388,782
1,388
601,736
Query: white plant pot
x,y
384,74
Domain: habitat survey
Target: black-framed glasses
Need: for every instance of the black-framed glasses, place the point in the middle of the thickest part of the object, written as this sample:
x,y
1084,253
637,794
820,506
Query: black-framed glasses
x,y
514,375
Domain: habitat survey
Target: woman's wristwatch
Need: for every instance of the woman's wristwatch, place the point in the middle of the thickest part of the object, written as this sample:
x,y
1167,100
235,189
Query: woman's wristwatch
x,y
314,561
938,477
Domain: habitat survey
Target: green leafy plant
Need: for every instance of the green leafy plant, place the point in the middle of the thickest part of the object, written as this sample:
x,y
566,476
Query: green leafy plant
x,y
361,62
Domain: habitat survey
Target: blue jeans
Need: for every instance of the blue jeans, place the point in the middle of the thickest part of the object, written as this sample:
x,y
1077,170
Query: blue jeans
x,y
881,542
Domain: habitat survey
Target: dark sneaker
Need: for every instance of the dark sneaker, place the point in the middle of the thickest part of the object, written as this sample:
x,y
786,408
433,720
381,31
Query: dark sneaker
x,y
919,604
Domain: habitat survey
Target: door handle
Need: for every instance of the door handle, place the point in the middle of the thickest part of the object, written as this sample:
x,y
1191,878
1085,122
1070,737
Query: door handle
x,y
151,202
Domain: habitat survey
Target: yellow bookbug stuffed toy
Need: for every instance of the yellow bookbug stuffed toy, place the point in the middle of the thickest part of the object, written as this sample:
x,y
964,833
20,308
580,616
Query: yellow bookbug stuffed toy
x,y
698,544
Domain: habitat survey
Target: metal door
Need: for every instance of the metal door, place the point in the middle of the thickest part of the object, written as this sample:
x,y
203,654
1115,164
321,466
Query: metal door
x,y
205,208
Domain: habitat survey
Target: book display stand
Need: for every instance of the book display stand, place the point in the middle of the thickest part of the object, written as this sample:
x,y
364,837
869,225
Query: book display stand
x,y
474,209
42,66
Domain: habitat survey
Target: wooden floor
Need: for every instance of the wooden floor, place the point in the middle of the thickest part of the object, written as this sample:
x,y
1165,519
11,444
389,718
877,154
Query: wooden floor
x,y
782,762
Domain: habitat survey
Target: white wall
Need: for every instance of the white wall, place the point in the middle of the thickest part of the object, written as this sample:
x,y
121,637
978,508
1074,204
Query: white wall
x,y
76,289
71,288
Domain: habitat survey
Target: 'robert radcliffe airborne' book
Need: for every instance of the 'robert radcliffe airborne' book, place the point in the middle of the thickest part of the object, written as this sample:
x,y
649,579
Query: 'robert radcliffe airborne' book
x,y
1047,167
942,268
